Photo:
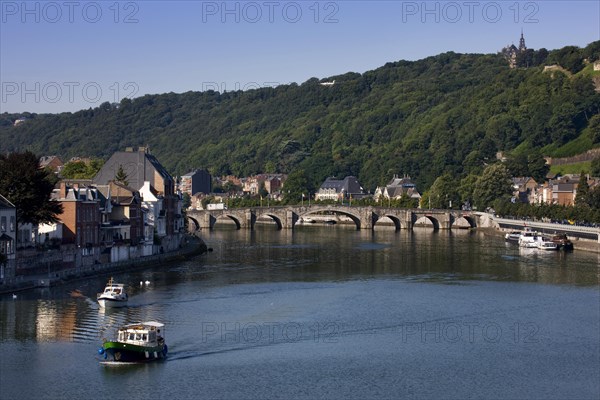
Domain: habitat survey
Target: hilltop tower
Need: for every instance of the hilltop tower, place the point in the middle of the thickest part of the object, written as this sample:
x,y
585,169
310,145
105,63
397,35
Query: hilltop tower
x,y
511,52
522,46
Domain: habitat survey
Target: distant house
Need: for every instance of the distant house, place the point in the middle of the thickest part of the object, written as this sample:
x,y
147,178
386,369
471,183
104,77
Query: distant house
x,y
564,193
397,188
8,231
271,182
140,166
198,181
80,220
53,163
335,189
562,190
525,189
126,214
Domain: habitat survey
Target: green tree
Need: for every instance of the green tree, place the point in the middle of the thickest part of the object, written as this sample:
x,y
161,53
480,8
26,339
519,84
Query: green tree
x,y
262,190
595,166
594,128
121,176
537,166
295,186
187,201
517,165
75,170
583,191
466,188
270,167
29,188
444,193
493,184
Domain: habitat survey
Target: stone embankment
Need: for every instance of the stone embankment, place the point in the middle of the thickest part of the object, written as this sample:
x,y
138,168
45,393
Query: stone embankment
x,y
193,246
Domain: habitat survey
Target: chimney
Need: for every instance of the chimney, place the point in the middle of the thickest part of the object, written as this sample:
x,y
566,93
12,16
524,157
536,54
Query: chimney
x,y
63,190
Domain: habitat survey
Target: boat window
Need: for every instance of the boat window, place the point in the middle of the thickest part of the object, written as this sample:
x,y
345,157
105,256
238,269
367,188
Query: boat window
x,y
138,336
145,337
117,291
131,336
152,336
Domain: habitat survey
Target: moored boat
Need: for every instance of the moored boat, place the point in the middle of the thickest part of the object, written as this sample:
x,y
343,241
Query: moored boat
x,y
114,295
512,236
529,239
138,342
562,241
545,243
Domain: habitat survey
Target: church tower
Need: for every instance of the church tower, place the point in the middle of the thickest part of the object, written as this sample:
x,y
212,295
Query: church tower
x,y
522,46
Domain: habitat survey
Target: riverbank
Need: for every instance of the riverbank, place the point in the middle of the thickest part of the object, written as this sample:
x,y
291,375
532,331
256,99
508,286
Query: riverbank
x,y
193,246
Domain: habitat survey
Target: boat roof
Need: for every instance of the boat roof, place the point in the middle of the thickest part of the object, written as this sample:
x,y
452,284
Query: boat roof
x,y
147,323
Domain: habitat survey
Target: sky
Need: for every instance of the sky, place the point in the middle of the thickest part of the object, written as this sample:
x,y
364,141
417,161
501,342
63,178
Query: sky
x,y
64,56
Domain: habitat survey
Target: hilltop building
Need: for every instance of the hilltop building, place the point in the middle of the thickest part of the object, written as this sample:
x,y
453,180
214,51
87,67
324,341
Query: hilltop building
x,y
512,52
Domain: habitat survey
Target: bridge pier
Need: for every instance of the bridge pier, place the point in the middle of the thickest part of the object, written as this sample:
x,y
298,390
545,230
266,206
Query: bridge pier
x,y
290,219
250,219
209,221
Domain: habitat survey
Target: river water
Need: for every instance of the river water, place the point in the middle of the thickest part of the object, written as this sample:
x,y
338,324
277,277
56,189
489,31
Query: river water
x,y
320,313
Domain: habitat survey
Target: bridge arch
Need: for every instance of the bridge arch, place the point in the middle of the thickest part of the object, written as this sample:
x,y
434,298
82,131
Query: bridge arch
x,y
193,224
394,218
425,221
234,218
355,218
274,217
464,222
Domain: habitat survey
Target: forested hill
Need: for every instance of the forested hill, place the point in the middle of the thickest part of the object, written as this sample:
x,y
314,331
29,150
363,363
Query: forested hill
x,y
447,113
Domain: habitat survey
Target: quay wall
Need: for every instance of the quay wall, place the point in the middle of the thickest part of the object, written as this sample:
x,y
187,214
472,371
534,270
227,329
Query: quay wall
x,y
190,246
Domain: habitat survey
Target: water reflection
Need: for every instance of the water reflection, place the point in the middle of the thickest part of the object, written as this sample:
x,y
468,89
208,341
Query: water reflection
x,y
307,254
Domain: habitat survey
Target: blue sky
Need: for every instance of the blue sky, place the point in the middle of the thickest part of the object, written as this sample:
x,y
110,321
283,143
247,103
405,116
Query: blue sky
x,y
58,56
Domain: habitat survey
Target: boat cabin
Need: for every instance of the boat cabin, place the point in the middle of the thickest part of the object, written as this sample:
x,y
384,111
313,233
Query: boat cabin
x,y
142,334
114,289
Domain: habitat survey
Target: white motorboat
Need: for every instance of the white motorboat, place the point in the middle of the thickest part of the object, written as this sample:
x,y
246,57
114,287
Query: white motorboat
x,y
512,236
114,295
545,243
529,239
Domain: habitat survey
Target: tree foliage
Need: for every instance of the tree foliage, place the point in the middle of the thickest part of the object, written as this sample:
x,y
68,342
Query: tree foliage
x,y
28,187
121,176
449,113
295,187
493,185
81,170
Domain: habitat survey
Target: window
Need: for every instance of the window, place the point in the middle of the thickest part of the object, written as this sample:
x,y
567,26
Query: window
x,y
3,224
12,223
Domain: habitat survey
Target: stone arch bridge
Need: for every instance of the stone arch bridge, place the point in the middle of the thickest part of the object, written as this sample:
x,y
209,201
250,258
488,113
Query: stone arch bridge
x,y
286,217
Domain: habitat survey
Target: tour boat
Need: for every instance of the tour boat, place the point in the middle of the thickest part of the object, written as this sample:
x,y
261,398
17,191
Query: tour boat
x,y
139,342
114,295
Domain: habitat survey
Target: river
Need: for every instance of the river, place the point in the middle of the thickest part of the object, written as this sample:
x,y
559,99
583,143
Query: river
x,y
321,313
